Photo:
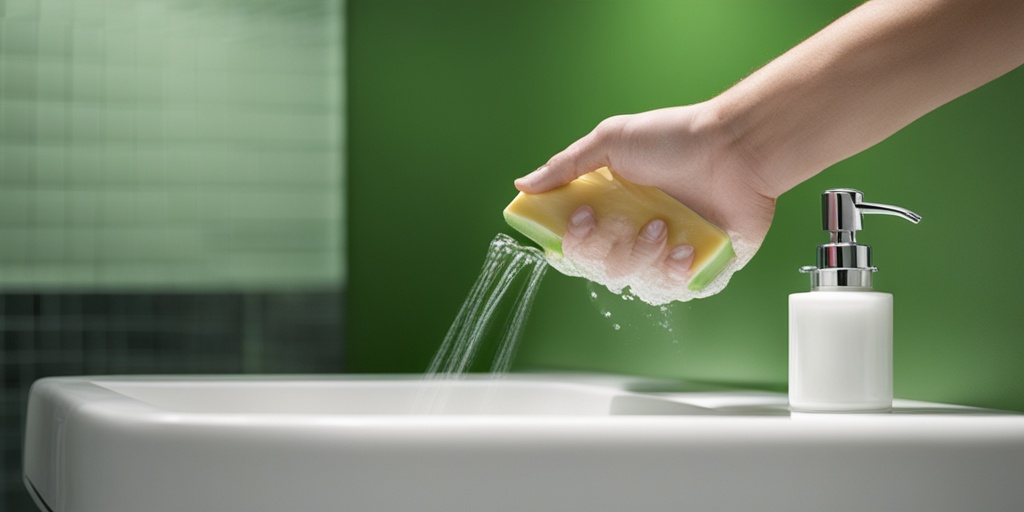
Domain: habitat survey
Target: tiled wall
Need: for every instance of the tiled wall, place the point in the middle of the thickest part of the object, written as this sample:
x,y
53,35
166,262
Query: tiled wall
x,y
170,143
171,193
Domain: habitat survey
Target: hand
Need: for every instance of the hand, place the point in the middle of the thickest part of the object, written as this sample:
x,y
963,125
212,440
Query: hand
x,y
685,152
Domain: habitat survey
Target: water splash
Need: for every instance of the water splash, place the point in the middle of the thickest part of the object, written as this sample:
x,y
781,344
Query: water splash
x,y
623,311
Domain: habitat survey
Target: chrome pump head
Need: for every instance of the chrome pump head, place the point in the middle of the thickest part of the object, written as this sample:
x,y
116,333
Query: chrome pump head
x,y
843,262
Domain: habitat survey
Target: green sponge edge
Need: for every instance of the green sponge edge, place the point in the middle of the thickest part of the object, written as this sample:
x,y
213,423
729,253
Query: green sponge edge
x,y
713,268
552,244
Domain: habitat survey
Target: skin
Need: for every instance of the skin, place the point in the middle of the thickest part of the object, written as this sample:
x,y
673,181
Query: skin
x,y
848,87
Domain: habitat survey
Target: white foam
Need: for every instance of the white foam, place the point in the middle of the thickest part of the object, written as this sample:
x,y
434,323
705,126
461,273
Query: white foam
x,y
650,284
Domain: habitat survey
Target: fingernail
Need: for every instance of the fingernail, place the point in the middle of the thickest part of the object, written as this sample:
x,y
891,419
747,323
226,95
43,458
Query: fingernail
x,y
580,216
654,231
529,179
581,221
681,253
679,261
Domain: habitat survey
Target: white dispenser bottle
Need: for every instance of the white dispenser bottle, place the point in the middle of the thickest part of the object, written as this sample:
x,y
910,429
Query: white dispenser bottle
x,y
840,333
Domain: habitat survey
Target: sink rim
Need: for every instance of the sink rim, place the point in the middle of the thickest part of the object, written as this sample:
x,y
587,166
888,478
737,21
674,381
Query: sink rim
x,y
67,434
717,402
107,396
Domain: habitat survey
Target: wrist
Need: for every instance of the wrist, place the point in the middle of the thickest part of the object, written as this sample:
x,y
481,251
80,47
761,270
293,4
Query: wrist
x,y
741,153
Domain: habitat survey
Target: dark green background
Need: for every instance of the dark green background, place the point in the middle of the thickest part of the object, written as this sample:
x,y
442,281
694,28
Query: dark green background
x,y
451,100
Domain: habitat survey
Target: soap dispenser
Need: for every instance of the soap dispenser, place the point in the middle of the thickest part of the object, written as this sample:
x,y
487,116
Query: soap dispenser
x,y
840,333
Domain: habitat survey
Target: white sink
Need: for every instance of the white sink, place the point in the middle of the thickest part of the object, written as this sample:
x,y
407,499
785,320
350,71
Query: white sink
x,y
524,443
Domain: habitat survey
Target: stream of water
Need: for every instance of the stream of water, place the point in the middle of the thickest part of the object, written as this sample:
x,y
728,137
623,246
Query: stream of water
x,y
504,262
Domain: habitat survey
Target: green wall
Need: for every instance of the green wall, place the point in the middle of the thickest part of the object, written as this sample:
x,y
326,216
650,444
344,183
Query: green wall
x,y
451,100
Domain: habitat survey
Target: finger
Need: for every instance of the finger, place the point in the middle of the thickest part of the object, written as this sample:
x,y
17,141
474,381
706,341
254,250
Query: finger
x,y
586,239
587,154
678,262
582,222
650,243
640,251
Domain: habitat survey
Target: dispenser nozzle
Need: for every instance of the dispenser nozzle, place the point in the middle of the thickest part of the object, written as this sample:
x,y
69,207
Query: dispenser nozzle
x,y
841,210
842,261
888,209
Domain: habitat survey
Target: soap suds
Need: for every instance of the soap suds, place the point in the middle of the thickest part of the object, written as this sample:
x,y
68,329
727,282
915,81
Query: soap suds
x,y
650,284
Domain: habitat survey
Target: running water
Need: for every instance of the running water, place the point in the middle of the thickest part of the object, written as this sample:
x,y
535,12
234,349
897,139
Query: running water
x,y
504,262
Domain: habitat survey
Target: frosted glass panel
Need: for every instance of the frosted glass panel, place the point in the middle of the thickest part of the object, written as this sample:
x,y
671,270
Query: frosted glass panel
x,y
171,144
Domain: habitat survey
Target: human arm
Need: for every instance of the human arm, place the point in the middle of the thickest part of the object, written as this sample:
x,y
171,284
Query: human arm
x,y
864,77
846,88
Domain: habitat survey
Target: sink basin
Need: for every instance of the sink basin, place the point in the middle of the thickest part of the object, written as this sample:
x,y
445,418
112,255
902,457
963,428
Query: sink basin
x,y
528,442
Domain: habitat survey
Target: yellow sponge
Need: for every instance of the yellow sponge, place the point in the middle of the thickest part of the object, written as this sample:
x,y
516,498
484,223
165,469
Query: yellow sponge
x,y
543,218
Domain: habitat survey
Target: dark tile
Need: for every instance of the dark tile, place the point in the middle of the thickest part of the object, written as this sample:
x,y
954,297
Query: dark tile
x,y
18,305
96,333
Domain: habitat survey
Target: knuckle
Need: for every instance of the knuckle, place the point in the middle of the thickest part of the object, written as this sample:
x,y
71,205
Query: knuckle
x,y
610,129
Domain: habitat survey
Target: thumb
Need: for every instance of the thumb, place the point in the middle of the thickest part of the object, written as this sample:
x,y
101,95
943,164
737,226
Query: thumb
x,y
587,154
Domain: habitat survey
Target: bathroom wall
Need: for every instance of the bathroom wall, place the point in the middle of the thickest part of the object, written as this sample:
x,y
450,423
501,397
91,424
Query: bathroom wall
x,y
227,107
451,100
171,193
